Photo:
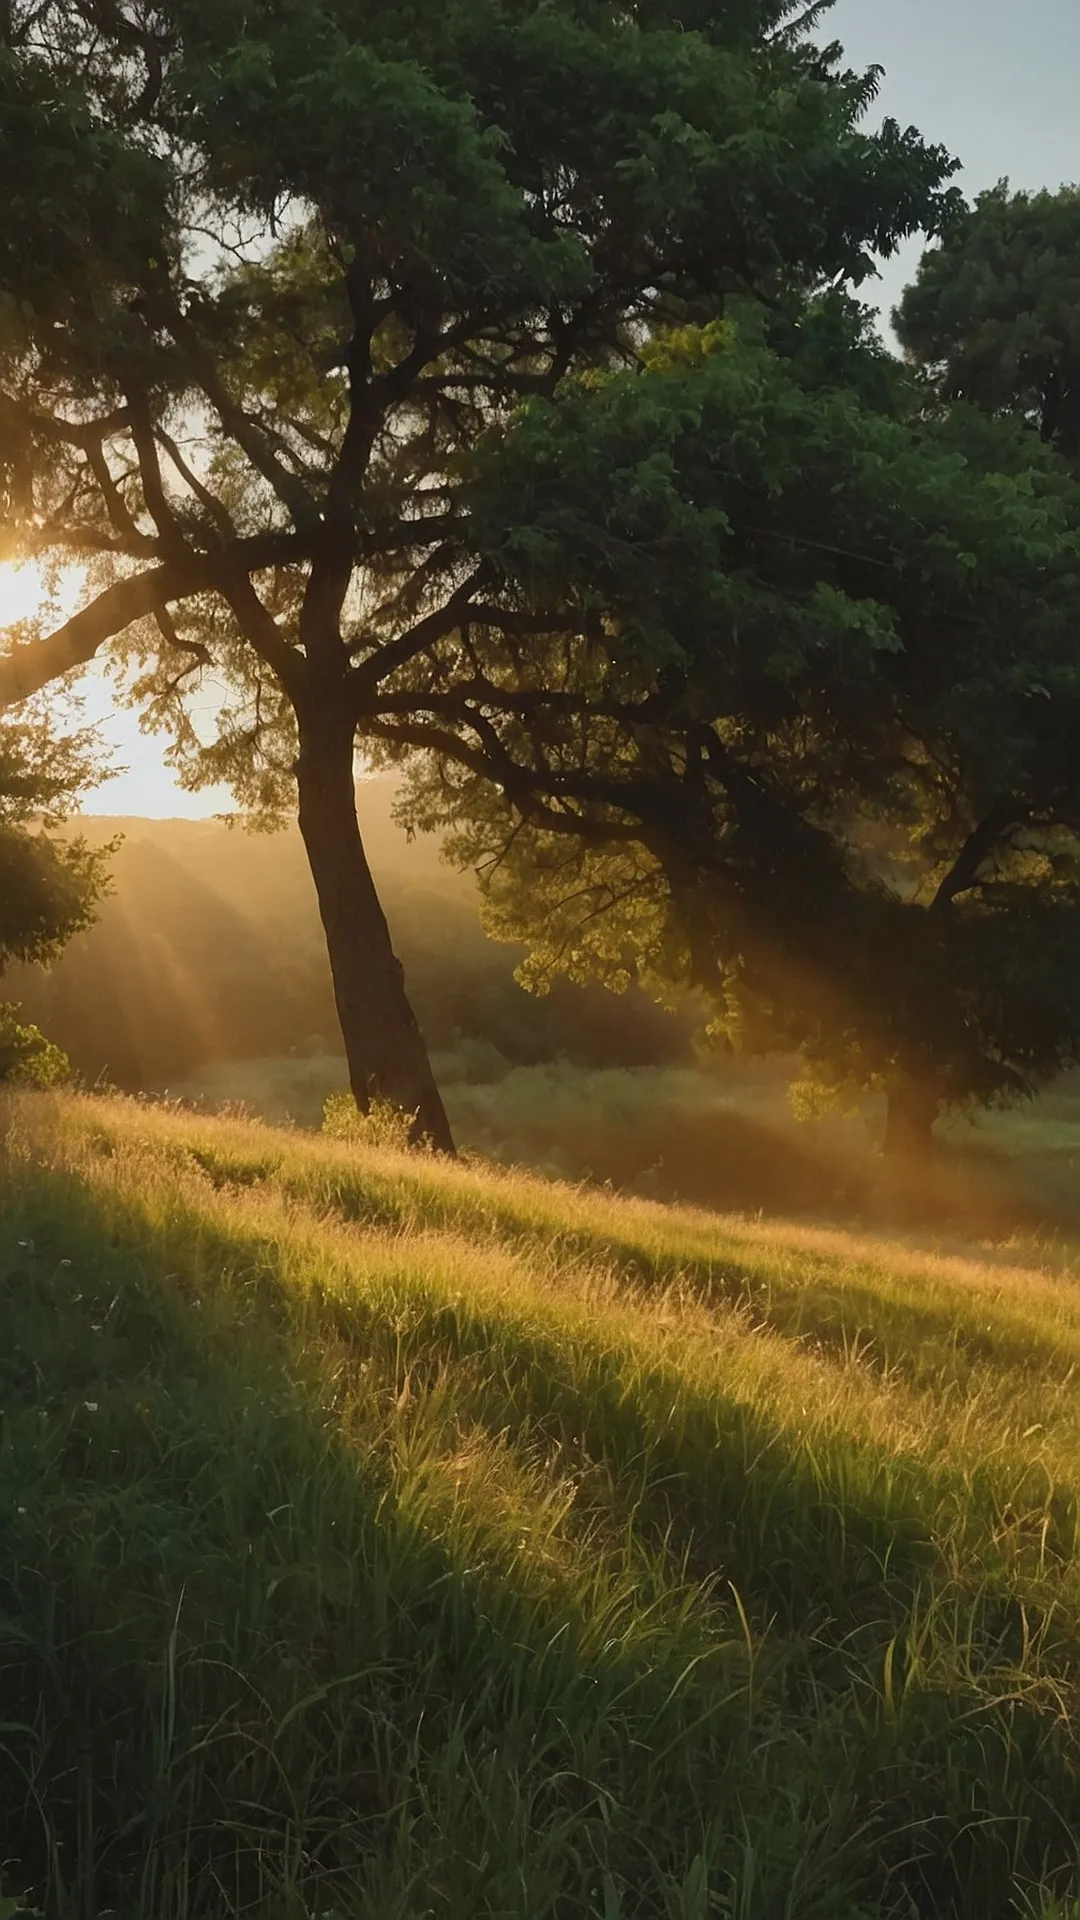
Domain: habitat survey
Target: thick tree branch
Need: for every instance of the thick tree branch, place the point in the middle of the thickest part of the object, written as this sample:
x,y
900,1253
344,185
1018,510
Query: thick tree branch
x,y
521,787
122,520
166,626
216,509
262,632
34,664
523,703
386,660
157,500
403,604
75,537
405,535
31,666
249,437
332,565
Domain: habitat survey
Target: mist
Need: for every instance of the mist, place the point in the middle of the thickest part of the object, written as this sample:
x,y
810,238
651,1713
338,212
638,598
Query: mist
x,y
205,981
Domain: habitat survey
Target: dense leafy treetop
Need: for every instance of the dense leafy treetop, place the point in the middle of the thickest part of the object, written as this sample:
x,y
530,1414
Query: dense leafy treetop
x,y
818,723
994,313
473,200
739,530
475,380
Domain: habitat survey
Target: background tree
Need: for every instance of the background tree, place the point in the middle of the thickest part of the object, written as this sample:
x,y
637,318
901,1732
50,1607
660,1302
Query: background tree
x,y
813,751
49,884
994,312
338,245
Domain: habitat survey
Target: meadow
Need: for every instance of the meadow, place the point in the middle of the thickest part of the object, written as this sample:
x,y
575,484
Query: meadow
x,y
384,1536
717,1133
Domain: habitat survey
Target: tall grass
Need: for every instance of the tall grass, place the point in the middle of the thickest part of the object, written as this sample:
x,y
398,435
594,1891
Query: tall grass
x,y
724,1138
382,1536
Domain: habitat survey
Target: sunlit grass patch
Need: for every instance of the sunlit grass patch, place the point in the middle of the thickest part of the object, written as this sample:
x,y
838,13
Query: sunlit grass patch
x,y
379,1535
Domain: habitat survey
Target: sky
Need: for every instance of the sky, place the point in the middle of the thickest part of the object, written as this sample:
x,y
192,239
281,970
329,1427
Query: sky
x,y
994,81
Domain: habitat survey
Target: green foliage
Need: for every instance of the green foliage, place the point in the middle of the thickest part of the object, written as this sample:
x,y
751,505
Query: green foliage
x,y
994,314
87,209
260,428
438,211
383,1125
26,1057
525,1547
48,889
49,886
815,751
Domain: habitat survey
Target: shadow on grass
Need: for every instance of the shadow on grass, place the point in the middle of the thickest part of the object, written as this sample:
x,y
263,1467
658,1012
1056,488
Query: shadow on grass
x,y
242,1673
837,1315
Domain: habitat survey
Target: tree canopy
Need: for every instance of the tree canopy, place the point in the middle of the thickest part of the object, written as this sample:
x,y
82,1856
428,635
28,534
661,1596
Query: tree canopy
x,y
335,247
49,884
817,750
479,386
994,313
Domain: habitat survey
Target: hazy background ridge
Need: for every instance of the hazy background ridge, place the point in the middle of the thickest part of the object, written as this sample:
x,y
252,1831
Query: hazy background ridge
x,y
206,978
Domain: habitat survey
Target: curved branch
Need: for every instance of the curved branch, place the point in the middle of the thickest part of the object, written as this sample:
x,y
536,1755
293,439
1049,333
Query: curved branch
x,y
250,437
526,790
153,486
262,632
368,675
34,664
216,508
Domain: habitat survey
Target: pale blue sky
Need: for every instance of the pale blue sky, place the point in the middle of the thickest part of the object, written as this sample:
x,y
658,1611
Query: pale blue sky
x,y
996,82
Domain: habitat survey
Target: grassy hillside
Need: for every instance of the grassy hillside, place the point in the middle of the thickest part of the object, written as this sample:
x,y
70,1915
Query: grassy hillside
x,y
206,977
720,1136
383,1537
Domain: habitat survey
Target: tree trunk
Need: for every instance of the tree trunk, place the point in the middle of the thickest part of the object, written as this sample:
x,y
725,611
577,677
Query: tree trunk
x,y
384,1047
909,1122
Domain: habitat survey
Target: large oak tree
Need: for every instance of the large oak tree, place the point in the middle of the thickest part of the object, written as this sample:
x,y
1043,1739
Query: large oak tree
x,y
275,269
818,754
993,315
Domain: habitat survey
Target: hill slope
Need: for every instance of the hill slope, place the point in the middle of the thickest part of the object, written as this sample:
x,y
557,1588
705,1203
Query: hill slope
x,y
385,1537
209,950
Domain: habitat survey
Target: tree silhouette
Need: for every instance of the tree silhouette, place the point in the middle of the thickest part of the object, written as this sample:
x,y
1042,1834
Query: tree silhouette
x,y
274,275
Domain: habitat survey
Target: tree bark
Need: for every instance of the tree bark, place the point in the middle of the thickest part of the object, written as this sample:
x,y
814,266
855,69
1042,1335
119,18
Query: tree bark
x,y
384,1047
909,1121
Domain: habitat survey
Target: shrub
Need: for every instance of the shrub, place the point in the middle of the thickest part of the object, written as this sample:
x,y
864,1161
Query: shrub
x,y
26,1057
383,1125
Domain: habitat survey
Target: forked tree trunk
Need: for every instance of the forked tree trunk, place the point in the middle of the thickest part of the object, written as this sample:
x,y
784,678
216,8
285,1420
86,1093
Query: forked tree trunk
x,y
384,1048
909,1122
